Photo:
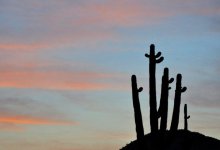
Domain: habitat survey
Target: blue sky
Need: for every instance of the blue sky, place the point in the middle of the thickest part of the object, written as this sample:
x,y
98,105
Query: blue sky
x,y
65,68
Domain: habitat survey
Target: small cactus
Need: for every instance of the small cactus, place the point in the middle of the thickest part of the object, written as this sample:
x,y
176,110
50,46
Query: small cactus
x,y
163,109
186,117
177,101
137,109
154,59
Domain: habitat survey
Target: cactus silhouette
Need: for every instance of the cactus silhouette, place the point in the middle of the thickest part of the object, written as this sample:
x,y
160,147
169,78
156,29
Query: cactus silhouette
x,y
177,101
186,117
163,139
163,109
154,59
137,109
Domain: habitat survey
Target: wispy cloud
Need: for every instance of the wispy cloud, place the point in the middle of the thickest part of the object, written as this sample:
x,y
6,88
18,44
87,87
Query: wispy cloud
x,y
47,41
40,72
70,23
15,113
33,121
21,46
57,80
54,24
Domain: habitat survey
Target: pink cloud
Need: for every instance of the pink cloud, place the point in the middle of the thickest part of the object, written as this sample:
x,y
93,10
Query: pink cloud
x,y
104,15
16,113
56,75
56,39
69,24
75,24
21,46
57,80
15,123
125,13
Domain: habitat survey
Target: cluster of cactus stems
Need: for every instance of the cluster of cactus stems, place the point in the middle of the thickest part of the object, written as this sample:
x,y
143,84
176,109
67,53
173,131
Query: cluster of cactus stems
x,y
162,111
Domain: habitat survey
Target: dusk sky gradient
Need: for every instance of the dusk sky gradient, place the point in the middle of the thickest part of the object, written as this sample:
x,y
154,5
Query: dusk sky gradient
x,y
65,69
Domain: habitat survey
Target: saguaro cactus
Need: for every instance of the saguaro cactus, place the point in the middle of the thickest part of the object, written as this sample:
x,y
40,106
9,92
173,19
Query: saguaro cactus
x,y
177,101
137,109
154,59
186,117
163,109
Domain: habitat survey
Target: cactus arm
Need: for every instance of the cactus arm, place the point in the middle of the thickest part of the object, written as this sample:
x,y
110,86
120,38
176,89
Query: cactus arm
x,y
158,54
159,60
140,89
183,89
147,55
171,80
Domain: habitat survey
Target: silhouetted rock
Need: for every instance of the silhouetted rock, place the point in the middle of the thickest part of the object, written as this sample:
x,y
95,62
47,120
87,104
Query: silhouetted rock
x,y
178,140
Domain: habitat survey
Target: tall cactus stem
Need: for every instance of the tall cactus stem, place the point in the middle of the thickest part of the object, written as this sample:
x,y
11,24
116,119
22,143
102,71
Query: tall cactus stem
x,y
163,109
153,59
177,102
137,109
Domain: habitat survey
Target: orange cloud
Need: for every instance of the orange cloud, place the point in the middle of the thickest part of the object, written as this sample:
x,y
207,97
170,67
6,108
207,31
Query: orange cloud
x,y
57,80
33,121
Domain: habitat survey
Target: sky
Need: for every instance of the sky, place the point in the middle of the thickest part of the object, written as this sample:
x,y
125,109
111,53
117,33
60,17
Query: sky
x,y
66,66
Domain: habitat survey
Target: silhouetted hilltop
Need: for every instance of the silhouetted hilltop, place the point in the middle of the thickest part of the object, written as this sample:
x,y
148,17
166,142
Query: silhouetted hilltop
x,y
179,140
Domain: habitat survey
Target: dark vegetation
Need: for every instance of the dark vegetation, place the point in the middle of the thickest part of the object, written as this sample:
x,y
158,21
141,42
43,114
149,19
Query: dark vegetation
x,y
163,139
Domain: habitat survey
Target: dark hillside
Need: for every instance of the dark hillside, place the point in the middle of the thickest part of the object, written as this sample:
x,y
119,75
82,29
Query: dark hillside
x,y
179,140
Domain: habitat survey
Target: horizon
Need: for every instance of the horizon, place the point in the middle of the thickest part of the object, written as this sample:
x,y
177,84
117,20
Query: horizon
x,y
66,67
